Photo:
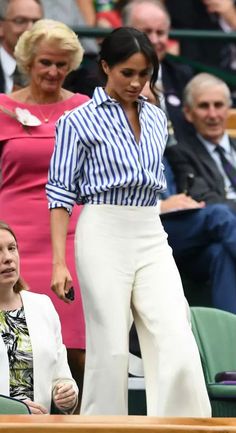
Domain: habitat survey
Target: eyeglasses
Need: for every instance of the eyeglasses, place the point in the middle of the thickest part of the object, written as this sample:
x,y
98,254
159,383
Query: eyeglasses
x,y
22,21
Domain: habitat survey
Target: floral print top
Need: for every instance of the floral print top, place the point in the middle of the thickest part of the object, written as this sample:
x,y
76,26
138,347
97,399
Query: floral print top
x,y
15,334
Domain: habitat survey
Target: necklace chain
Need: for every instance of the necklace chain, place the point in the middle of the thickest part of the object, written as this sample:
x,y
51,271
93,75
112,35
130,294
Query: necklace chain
x,y
46,119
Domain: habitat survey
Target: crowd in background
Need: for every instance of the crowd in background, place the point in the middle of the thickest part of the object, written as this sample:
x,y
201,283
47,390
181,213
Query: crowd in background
x,y
196,92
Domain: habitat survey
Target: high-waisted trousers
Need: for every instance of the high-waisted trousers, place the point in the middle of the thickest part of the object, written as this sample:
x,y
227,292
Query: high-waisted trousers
x,y
124,261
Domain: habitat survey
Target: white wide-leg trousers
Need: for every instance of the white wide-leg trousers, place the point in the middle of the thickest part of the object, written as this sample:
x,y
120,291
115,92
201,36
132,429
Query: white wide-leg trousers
x,y
123,262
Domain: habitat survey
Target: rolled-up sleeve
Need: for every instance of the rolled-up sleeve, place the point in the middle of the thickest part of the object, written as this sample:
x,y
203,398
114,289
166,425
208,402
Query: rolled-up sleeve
x,y
62,188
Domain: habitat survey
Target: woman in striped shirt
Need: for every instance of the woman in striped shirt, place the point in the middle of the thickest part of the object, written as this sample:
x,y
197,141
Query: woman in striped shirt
x,y
108,156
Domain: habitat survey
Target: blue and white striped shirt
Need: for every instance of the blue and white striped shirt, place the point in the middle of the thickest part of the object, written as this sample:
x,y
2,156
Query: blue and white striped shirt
x,y
97,160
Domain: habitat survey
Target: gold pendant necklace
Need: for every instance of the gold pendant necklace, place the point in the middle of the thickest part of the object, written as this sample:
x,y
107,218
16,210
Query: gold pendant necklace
x,y
46,119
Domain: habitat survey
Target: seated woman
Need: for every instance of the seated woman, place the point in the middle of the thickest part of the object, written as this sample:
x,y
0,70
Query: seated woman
x,y
33,361
46,53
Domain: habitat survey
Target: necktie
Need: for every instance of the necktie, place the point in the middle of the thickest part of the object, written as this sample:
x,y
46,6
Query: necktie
x,y
229,169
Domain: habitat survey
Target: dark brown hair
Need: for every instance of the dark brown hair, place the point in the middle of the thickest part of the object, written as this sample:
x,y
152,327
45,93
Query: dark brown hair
x,y
20,284
122,43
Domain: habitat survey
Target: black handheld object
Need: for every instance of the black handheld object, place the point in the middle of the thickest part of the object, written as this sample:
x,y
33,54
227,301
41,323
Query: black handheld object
x,y
189,183
71,294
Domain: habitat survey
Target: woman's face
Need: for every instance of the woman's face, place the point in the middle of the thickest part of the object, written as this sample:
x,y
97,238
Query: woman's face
x,y
9,260
126,80
49,68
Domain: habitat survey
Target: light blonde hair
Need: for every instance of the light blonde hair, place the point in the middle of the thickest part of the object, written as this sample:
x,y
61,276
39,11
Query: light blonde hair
x,y
52,32
200,82
20,284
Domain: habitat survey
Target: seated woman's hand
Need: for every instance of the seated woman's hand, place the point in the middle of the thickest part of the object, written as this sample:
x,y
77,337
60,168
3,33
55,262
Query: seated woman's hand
x,y
64,396
36,408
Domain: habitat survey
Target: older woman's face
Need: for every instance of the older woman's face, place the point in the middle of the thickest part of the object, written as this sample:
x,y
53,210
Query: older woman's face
x,y
9,260
49,68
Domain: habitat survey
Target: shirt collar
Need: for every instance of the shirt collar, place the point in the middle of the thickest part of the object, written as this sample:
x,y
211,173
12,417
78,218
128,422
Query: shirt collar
x,y
101,97
8,62
223,142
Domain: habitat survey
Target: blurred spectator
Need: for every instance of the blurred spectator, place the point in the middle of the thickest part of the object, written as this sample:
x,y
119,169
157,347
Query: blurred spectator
x,y
16,16
69,13
101,13
206,15
151,17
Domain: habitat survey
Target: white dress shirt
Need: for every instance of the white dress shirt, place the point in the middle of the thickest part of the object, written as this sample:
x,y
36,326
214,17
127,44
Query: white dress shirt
x,y
8,66
97,160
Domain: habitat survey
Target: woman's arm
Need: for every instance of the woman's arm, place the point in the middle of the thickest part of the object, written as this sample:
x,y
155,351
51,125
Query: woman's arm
x,y
62,191
64,387
61,278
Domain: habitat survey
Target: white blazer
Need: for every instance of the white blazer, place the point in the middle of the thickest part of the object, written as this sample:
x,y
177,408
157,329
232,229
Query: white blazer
x,y
50,364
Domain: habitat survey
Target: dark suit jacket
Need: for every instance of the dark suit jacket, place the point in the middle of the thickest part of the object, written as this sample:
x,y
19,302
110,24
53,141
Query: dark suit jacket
x,y
2,80
192,157
175,76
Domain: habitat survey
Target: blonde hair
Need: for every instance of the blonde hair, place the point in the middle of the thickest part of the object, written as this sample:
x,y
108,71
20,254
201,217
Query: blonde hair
x,y
201,82
52,32
20,284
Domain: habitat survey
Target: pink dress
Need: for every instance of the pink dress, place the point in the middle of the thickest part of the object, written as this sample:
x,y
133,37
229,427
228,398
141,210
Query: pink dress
x,y
24,160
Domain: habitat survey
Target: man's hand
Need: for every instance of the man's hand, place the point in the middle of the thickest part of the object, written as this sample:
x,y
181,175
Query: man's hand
x,y
179,202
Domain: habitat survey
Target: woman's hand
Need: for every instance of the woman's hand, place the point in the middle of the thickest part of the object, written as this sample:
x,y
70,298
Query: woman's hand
x,y
64,396
36,408
61,281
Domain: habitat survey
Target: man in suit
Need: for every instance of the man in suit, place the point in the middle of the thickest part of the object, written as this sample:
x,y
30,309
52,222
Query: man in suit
x,y
151,17
209,154
203,240
16,16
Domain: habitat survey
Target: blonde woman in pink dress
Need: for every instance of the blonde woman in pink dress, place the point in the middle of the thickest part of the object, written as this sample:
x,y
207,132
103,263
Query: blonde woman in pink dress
x,y
46,53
